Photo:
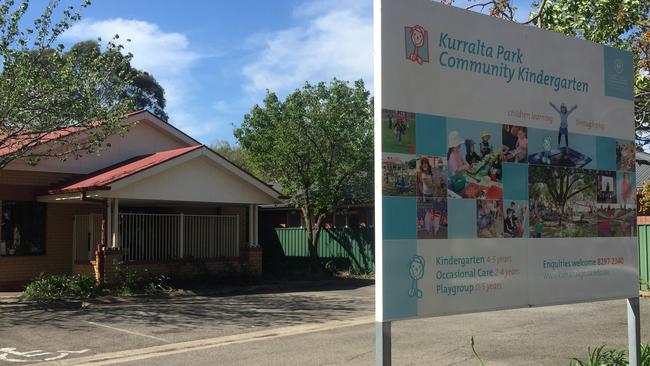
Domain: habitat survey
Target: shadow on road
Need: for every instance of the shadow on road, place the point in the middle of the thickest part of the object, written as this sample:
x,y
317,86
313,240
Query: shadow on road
x,y
270,308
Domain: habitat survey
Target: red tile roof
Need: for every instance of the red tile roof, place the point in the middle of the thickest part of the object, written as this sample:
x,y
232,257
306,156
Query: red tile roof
x,y
31,140
102,179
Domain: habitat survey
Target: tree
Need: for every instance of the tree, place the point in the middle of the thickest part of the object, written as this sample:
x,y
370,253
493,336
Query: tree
x,y
144,89
317,145
616,23
562,185
239,156
643,199
55,103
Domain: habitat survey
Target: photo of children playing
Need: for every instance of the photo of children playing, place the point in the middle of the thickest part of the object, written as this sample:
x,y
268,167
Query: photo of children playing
x,y
398,131
614,219
515,222
398,174
625,155
544,150
515,144
562,202
431,178
489,218
474,172
432,219
606,187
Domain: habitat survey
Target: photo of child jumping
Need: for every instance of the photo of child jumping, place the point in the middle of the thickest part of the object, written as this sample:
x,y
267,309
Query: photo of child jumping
x,y
564,124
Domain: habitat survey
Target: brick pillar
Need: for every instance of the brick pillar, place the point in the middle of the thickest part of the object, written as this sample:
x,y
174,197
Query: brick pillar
x,y
112,263
252,259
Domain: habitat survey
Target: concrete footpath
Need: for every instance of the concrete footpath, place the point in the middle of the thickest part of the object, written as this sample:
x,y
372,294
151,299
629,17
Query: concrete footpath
x,y
325,327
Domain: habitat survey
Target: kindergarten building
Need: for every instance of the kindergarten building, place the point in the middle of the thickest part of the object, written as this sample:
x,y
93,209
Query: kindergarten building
x,y
156,199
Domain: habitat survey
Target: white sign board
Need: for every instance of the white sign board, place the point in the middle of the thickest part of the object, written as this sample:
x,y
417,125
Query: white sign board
x,y
504,165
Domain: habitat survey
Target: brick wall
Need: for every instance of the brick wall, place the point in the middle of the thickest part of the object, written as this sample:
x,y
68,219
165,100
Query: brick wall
x,y
184,267
252,258
19,270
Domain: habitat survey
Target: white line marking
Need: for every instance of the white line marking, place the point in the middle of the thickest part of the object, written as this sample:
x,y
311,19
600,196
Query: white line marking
x,y
182,347
128,331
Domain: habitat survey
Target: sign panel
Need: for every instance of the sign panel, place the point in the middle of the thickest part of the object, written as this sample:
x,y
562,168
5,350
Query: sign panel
x,y
504,165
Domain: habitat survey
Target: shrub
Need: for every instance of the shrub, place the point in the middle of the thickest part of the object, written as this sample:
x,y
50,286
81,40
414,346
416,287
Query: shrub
x,y
202,276
47,288
142,282
599,356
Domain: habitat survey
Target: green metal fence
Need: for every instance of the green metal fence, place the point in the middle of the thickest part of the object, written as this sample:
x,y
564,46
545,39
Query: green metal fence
x,y
344,246
644,252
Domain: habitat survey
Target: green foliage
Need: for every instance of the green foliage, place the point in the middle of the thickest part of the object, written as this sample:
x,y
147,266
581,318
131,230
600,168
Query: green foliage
x,y
47,288
599,356
317,145
201,275
48,94
643,199
471,342
602,21
144,89
239,156
142,282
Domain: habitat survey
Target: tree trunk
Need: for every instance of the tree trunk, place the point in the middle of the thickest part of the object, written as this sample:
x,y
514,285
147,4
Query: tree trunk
x,y
312,233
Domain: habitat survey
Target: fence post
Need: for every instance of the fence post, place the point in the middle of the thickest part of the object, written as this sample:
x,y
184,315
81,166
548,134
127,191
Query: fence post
x,y
182,235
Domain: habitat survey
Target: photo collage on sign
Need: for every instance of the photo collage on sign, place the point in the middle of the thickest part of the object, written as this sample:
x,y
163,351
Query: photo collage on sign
x,y
472,179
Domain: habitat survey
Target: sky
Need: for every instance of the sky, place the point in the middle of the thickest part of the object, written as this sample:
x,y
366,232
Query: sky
x,y
216,59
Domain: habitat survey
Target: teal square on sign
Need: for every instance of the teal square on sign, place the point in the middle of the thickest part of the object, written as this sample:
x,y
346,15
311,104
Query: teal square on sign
x,y
606,153
461,214
399,217
399,302
619,75
431,135
515,182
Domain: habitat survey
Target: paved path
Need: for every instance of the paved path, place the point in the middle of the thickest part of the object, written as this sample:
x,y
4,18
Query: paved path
x,y
306,328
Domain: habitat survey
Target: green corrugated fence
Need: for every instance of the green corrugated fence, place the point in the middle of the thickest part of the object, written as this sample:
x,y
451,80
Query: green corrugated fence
x,y
644,251
356,247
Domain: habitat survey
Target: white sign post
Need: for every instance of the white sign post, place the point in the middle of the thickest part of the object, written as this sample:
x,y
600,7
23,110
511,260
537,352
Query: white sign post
x,y
504,167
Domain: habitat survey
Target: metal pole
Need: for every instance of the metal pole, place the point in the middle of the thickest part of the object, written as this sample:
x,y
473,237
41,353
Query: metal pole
x,y
633,331
382,346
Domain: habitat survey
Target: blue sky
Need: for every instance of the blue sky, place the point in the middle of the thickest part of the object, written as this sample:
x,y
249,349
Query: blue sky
x,y
215,59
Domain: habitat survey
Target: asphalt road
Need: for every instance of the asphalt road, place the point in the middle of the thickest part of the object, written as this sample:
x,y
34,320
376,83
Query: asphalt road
x,y
302,328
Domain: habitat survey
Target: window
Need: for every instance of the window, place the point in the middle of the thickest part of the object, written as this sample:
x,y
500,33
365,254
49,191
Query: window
x,y
22,228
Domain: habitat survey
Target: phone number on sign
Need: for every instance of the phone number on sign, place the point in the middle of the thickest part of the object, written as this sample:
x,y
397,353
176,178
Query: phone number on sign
x,y
610,260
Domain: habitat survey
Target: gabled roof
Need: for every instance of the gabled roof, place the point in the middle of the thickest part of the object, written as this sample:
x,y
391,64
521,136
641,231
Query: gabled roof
x,y
26,139
102,179
132,170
